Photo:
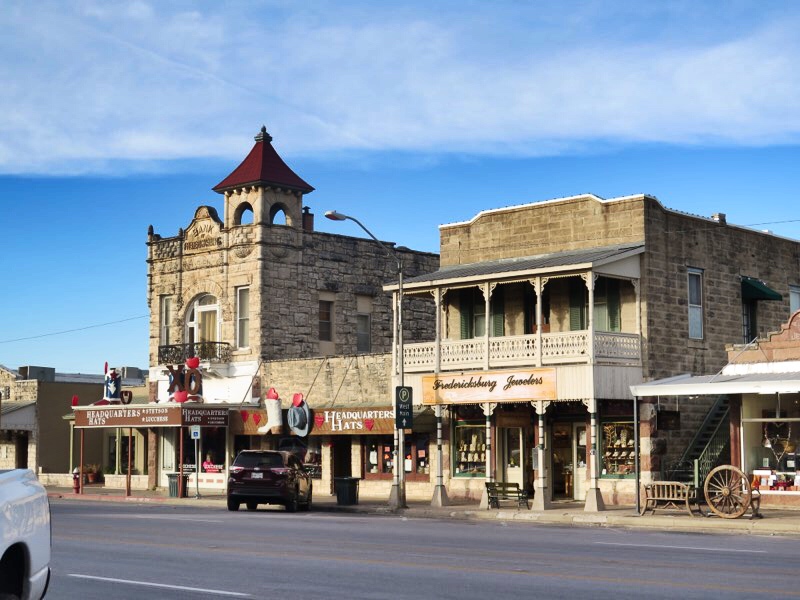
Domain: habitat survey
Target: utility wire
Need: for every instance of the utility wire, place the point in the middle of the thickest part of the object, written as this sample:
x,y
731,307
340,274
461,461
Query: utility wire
x,y
34,337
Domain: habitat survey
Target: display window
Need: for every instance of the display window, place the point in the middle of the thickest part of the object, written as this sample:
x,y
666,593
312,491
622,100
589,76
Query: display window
x,y
617,452
379,457
770,437
469,449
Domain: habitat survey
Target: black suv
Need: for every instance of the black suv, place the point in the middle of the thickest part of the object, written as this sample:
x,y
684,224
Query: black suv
x,y
268,477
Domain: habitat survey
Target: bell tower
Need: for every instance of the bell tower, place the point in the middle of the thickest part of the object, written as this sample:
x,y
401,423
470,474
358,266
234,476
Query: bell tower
x,y
264,186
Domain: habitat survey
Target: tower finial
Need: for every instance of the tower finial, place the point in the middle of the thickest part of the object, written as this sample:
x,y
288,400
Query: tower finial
x,y
263,135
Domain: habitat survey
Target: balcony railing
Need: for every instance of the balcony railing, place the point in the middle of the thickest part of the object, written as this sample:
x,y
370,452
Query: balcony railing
x,y
571,347
174,354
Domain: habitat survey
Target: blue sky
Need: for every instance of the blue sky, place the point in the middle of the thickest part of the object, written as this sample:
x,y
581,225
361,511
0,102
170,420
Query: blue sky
x,y
118,115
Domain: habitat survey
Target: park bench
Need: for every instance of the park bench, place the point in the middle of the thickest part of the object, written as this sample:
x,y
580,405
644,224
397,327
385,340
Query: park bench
x,y
499,491
670,494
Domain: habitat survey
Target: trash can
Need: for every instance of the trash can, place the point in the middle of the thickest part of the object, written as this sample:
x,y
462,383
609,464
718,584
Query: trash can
x,y
173,484
346,490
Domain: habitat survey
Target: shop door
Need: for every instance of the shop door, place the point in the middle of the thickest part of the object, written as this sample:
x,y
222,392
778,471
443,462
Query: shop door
x,y
579,460
512,455
562,461
342,465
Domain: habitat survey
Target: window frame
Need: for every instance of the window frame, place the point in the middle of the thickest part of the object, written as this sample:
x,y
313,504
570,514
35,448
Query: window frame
x,y
363,338
417,448
165,318
794,298
326,326
695,310
242,321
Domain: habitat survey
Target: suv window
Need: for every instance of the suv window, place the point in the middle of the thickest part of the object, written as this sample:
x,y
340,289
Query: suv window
x,y
264,461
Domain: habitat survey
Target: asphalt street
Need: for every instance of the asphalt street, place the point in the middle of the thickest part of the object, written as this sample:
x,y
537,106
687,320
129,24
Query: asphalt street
x,y
126,550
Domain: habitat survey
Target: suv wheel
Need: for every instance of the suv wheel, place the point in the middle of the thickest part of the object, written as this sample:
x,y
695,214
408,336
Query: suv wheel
x,y
252,505
233,504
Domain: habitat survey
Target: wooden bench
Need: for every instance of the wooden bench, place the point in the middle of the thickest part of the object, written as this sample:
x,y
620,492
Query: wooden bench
x,y
499,491
670,494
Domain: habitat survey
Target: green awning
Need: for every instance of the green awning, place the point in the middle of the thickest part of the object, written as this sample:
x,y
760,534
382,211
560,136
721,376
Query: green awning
x,y
755,289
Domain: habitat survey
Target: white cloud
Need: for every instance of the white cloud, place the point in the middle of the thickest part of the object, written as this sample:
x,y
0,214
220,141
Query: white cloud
x,y
97,82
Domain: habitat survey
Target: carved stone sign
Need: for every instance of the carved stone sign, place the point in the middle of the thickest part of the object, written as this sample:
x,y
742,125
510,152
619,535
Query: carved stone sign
x,y
203,234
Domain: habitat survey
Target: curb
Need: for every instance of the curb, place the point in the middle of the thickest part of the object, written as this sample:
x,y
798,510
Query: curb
x,y
775,526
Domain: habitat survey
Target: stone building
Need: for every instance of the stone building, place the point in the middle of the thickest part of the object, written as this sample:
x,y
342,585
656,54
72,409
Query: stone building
x,y
271,307
547,313
761,385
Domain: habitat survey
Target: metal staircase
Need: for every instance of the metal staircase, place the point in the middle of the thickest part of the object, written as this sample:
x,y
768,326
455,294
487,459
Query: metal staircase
x,y
709,448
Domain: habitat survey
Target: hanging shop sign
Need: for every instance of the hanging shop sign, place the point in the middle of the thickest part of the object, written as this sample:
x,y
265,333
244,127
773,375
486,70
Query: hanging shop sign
x,y
324,421
150,416
352,421
490,386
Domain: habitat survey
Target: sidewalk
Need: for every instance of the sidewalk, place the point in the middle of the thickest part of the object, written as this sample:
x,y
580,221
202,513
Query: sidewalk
x,y
775,521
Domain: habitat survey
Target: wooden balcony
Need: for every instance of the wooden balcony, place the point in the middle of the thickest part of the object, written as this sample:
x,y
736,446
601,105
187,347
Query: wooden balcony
x,y
571,347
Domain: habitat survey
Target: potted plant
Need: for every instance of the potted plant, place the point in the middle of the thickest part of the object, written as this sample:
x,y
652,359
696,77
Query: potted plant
x,y
93,473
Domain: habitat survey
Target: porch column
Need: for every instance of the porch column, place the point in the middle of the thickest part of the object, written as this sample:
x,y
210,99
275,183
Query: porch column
x,y
71,446
488,409
538,286
594,500
589,279
117,453
487,324
541,493
439,491
437,350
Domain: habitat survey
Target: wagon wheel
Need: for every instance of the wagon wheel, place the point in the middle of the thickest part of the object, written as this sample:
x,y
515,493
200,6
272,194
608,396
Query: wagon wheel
x,y
728,492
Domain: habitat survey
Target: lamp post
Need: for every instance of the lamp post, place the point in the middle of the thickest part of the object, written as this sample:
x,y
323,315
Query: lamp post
x,y
397,498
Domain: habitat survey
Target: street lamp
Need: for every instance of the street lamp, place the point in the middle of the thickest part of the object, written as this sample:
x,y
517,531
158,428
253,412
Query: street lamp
x,y
397,498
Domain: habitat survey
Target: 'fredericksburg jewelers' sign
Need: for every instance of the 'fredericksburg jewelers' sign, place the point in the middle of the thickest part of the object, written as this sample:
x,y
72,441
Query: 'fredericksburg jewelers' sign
x,y
490,386
177,415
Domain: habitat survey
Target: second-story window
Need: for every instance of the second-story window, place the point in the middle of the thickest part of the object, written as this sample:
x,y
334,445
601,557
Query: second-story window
x,y
165,321
243,317
794,298
473,313
363,341
326,320
695,304
606,305
202,325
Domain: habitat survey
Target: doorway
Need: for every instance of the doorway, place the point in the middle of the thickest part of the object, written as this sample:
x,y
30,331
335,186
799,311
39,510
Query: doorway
x,y
562,457
511,456
579,460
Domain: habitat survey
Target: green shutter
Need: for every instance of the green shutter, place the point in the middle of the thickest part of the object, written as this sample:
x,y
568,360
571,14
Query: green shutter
x,y
498,312
466,308
613,303
577,305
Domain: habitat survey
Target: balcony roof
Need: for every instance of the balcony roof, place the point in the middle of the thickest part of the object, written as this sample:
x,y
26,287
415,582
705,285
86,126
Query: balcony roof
x,y
570,260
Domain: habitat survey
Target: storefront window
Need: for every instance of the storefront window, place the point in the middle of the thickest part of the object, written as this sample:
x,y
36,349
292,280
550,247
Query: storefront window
x,y
770,436
469,441
617,449
379,454
213,449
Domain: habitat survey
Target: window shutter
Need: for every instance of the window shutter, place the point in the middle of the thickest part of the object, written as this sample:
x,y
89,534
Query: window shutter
x,y
466,302
613,303
577,306
498,312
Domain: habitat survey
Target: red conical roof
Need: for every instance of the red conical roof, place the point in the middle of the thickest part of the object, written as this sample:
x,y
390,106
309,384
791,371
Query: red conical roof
x,y
263,166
